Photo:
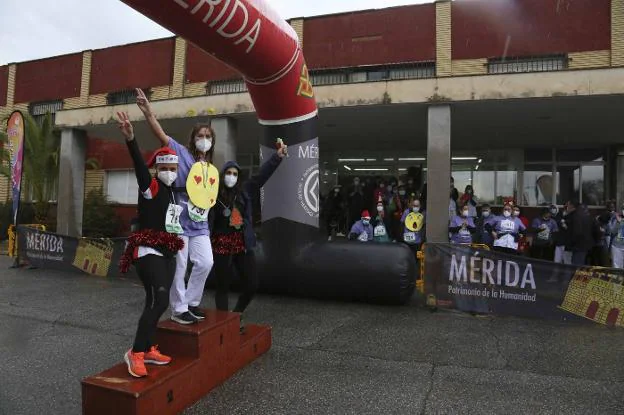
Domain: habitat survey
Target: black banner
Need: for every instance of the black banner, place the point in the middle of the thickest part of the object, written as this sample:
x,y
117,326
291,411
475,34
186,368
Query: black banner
x,y
482,281
47,250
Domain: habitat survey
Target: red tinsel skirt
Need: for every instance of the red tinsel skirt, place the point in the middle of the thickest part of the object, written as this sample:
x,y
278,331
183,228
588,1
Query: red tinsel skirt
x,y
228,243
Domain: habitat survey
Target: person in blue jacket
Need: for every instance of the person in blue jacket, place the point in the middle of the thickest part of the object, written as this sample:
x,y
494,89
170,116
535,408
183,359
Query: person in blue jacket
x,y
232,234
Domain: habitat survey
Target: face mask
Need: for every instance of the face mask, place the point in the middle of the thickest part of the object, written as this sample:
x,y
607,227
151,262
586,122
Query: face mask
x,y
230,180
486,213
402,192
416,209
507,213
379,208
167,177
203,145
465,213
365,221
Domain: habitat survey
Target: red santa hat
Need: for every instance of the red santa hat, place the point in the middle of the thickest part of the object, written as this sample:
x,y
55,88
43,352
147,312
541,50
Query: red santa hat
x,y
365,214
164,155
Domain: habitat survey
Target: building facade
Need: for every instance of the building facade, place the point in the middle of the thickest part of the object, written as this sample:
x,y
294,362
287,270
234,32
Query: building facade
x,y
519,98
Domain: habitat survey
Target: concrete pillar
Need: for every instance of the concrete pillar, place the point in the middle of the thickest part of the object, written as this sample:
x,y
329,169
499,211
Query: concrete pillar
x,y
438,172
71,182
225,131
619,184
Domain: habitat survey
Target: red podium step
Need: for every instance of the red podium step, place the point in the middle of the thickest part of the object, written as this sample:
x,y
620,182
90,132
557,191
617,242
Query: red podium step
x,y
204,356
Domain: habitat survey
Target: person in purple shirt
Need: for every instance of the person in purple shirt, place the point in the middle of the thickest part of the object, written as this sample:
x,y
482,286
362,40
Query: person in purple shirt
x,y
362,230
507,231
485,225
543,229
185,298
462,227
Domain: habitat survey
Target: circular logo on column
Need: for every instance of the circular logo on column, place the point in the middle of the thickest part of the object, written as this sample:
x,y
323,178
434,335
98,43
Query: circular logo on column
x,y
308,191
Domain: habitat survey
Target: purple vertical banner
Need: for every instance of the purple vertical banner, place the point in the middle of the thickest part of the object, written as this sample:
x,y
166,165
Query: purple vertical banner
x,y
15,132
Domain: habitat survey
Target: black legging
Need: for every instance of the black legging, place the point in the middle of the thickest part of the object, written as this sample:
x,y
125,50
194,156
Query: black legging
x,y
156,273
245,264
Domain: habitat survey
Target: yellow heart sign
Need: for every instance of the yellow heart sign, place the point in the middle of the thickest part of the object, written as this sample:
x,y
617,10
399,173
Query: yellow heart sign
x,y
202,185
414,221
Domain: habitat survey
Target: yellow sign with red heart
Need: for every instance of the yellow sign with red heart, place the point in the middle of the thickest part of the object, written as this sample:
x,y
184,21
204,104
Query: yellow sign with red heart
x,y
202,185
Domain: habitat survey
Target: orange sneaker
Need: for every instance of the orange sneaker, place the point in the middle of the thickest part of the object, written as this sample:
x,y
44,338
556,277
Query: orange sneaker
x,y
154,357
136,364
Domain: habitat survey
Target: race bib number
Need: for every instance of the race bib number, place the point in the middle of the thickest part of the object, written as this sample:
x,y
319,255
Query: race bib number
x,y
197,214
363,237
380,230
409,237
172,219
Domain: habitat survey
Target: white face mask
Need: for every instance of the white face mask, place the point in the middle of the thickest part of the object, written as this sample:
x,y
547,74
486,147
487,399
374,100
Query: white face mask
x,y
465,213
230,180
506,214
379,208
203,145
416,209
167,177
486,213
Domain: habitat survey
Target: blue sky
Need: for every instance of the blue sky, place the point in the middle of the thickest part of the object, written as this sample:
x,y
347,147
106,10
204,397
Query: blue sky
x,y
42,28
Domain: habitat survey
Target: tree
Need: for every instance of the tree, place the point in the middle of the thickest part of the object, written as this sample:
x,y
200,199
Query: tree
x,y
99,219
41,162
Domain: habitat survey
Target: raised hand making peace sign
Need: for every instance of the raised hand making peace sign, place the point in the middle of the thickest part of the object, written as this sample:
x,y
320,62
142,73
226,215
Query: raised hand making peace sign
x,y
125,126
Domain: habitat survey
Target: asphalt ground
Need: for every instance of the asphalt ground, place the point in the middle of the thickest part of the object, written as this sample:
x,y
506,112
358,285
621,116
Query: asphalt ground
x,y
327,357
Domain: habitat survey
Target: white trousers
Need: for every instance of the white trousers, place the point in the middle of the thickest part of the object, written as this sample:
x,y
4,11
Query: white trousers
x,y
562,256
199,249
617,257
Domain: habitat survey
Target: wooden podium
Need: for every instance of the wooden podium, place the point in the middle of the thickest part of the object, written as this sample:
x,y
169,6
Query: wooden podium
x,y
204,355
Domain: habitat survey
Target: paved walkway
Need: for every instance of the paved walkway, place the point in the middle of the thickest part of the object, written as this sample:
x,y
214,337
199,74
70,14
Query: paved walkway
x,y
327,358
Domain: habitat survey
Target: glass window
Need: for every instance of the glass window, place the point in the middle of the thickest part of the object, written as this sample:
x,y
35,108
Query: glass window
x,y
527,64
227,87
567,181
328,78
505,186
462,179
122,187
38,110
483,185
593,185
357,77
538,185
377,75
